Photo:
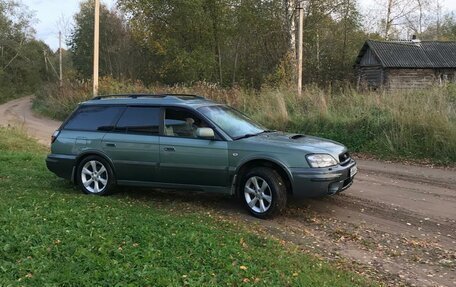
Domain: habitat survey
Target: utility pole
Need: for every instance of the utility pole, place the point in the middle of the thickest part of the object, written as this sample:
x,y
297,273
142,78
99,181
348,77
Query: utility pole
x,y
45,60
300,34
60,59
96,46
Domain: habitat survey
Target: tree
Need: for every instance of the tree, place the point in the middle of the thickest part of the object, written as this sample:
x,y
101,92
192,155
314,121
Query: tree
x,y
21,56
229,42
399,19
443,30
223,41
116,56
332,39
418,20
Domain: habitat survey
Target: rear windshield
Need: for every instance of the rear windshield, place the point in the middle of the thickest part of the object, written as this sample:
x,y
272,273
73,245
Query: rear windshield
x,y
94,118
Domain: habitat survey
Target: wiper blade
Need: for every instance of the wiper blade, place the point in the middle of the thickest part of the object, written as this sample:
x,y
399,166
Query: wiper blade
x,y
246,136
252,135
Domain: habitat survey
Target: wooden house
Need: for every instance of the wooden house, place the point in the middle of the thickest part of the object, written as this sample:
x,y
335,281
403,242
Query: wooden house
x,y
411,64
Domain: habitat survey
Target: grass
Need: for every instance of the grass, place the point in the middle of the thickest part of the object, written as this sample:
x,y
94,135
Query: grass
x,y
7,96
393,125
52,235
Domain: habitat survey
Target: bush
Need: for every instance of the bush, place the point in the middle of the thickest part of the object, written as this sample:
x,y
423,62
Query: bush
x,y
58,102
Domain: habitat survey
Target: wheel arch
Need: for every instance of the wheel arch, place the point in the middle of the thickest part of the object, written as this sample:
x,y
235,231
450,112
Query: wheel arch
x,y
276,165
88,153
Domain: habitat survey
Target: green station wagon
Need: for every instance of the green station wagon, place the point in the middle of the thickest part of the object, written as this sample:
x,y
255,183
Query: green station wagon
x,y
189,142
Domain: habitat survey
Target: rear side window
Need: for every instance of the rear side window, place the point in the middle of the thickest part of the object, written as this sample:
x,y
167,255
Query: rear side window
x,y
140,120
94,118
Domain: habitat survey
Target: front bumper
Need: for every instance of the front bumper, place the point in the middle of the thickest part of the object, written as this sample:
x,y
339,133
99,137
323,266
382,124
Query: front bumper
x,y
61,165
317,182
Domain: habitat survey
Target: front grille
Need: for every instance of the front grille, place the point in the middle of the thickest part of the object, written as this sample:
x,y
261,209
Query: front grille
x,y
344,158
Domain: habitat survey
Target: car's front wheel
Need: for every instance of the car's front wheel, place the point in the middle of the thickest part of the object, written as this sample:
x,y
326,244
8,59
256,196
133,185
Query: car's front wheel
x,y
263,192
95,176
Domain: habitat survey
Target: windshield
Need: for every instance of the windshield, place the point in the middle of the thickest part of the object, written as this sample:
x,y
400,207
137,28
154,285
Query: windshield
x,y
235,124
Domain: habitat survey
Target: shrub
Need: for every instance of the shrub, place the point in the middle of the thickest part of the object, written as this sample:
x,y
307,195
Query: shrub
x,y
58,102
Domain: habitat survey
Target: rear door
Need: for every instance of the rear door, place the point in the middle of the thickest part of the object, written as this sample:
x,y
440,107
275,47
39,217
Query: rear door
x,y
85,129
133,145
186,159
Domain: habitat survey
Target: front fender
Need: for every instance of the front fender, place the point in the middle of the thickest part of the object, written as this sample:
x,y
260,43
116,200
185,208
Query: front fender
x,y
264,157
257,157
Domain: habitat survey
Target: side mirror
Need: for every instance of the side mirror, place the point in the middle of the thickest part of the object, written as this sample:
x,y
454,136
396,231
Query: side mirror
x,y
205,133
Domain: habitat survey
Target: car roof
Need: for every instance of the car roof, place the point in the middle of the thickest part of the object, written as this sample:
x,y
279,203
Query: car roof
x,y
183,100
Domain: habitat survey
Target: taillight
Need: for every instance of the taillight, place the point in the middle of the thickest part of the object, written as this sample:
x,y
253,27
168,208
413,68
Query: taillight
x,y
54,136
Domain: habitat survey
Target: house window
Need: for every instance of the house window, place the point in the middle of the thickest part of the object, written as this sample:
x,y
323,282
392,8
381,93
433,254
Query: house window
x,y
448,77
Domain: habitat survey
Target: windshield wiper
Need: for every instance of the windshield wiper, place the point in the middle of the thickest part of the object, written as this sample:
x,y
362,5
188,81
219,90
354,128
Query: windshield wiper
x,y
252,135
246,136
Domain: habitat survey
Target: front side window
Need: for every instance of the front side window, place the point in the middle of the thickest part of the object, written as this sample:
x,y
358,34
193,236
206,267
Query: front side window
x,y
139,120
94,118
181,123
235,124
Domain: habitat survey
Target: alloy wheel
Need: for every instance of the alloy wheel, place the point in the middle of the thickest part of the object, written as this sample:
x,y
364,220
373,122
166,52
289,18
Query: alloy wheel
x,y
258,194
94,176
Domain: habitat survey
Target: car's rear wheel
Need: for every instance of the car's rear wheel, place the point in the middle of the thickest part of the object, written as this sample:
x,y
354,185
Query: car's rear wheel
x,y
263,192
95,176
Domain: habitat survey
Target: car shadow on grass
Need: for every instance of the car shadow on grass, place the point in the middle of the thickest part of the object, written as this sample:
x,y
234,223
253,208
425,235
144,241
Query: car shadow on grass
x,y
173,198
197,201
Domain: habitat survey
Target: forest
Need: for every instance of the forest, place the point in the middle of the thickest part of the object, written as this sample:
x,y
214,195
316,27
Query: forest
x,y
248,43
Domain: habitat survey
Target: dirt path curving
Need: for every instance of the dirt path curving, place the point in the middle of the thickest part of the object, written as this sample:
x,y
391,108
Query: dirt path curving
x,y
19,113
397,222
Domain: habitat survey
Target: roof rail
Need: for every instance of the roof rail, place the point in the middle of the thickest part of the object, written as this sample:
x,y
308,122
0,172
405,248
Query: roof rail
x,y
184,96
135,96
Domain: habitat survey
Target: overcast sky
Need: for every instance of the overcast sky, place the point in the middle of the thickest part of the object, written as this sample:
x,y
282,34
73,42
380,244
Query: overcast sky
x,y
50,14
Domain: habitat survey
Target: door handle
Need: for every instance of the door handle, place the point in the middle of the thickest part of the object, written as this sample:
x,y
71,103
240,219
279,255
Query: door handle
x,y
169,149
110,144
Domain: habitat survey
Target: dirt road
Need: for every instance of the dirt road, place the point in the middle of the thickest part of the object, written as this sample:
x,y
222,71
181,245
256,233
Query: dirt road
x,y
19,113
397,222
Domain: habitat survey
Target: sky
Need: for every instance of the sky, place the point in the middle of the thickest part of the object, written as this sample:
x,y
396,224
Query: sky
x,y
50,14
54,15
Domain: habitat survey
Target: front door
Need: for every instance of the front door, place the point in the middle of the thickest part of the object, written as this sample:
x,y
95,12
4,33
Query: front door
x,y
186,159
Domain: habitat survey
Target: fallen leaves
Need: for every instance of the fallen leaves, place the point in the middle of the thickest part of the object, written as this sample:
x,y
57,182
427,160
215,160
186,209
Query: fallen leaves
x,y
243,243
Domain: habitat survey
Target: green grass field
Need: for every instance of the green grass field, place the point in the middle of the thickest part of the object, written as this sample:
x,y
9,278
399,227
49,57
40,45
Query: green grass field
x,y
53,235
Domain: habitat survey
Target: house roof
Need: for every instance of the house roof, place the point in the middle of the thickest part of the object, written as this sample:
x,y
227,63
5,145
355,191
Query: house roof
x,y
412,54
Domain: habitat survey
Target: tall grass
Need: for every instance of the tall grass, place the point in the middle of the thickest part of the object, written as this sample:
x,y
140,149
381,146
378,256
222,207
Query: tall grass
x,y
411,124
408,123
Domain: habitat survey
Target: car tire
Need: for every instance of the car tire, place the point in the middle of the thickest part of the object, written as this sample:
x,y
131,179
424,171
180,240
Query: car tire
x,y
95,176
263,192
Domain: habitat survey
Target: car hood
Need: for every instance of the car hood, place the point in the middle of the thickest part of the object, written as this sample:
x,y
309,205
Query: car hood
x,y
309,144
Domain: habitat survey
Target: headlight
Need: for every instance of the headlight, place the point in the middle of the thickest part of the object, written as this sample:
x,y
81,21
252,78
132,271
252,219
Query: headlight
x,y
321,160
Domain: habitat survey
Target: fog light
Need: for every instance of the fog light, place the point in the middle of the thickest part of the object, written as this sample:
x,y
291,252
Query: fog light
x,y
334,187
